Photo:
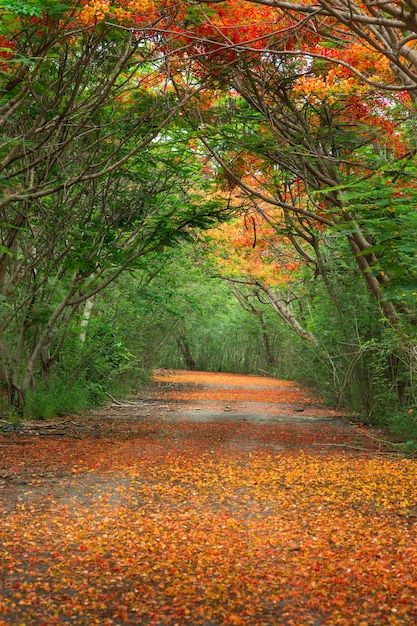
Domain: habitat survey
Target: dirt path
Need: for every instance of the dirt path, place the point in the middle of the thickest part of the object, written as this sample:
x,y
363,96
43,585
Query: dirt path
x,y
217,499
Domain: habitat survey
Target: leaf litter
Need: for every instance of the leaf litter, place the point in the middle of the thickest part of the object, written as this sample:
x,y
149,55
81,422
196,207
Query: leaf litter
x,y
158,522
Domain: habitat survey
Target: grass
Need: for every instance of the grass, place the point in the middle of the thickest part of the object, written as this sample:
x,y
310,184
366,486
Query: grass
x,y
63,396
60,397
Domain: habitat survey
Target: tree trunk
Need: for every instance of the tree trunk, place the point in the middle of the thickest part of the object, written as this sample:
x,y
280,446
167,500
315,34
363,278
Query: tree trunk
x,y
88,309
284,311
372,282
184,348
42,340
270,357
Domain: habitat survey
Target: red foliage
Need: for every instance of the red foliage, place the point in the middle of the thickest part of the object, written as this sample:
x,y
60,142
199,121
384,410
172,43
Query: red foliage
x,y
6,53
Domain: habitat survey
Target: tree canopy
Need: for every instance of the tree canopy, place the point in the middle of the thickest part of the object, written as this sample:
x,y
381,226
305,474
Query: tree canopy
x,y
271,142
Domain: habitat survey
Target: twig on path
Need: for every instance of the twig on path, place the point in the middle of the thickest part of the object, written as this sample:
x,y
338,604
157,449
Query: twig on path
x,y
53,433
357,448
51,424
384,441
15,443
342,445
126,403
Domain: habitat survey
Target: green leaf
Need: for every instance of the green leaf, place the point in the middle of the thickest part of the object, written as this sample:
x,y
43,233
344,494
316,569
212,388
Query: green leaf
x,y
6,251
22,8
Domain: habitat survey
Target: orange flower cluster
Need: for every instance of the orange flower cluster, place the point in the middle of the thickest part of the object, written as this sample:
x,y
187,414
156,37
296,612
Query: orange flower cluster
x,y
98,10
333,82
239,22
250,247
95,11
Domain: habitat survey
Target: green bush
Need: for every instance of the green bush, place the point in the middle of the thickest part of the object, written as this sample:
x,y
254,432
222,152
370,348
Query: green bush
x,y
59,397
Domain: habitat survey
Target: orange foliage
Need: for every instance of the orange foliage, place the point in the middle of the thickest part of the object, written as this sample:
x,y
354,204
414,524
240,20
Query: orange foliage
x,y
242,393
219,378
359,102
250,247
98,10
95,10
238,22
